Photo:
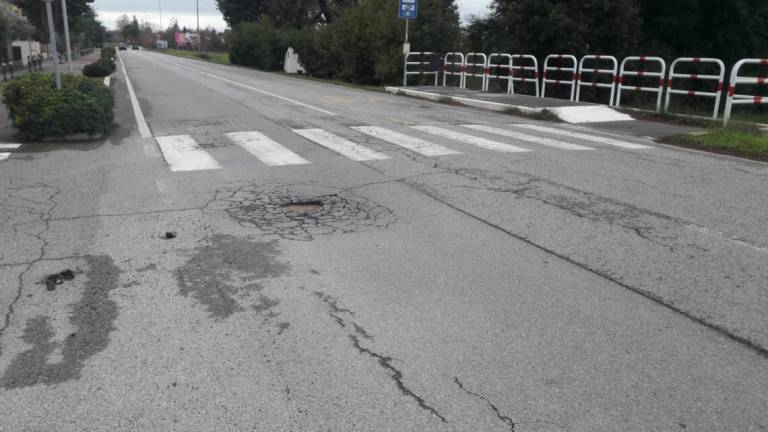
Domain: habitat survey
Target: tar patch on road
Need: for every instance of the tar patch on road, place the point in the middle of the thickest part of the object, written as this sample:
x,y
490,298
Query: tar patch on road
x,y
298,213
92,317
226,270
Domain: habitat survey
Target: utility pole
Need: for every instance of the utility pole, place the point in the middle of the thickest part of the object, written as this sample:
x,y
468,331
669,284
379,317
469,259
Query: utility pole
x,y
199,40
66,33
52,34
160,9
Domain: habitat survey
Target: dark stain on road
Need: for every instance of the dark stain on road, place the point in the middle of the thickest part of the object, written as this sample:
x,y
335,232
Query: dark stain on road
x,y
226,268
92,317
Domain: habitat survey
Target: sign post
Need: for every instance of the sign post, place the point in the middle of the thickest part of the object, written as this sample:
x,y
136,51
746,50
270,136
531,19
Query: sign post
x,y
408,10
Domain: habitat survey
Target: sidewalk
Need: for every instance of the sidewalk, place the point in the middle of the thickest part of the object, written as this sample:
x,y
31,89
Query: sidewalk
x,y
594,115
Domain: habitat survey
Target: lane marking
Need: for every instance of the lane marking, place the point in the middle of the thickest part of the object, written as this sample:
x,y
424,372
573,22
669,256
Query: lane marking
x,y
4,156
413,144
10,146
257,90
529,138
577,135
265,149
340,145
183,154
140,121
471,139
723,236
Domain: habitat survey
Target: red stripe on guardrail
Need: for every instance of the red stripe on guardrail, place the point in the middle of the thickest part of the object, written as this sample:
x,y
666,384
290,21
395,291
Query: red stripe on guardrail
x,y
720,86
731,90
758,100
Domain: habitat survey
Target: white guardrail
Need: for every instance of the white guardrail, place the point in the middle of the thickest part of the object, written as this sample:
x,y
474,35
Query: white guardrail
x,y
456,66
473,69
640,73
492,71
596,73
739,98
569,69
519,71
422,58
696,77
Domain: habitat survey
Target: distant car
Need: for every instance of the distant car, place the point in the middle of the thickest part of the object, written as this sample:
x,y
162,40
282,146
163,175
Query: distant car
x,y
134,47
122,47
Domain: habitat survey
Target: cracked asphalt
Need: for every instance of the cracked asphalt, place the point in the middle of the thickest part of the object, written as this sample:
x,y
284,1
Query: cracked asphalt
x,y
608,290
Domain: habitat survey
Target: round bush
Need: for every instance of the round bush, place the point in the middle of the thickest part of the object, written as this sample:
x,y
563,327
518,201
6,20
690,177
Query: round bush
x,y
38,110
99,68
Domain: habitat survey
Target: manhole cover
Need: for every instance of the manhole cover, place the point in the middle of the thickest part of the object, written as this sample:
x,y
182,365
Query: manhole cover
x,y
299,212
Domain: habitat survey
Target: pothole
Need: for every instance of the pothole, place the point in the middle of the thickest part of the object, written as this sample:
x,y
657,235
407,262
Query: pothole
x,y
299,212
303,207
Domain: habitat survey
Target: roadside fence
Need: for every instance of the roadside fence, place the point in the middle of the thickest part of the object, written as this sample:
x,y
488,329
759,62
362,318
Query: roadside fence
x,y
596,73
526,72
453,65
423,64
504,63
640,73
696,61
736,80
474,69
564,72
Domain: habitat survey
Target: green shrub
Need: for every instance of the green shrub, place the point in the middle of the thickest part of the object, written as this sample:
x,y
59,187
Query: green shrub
x,y
38,110
203,55
259,44
108,53
99,68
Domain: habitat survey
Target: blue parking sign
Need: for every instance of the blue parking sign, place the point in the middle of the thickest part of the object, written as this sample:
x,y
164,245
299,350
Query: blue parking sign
x,y
409,9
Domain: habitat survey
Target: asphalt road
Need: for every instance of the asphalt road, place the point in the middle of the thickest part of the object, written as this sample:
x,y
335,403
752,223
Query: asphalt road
x,y
357,261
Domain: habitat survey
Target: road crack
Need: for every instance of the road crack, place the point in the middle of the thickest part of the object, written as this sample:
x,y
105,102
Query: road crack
x,y
502,417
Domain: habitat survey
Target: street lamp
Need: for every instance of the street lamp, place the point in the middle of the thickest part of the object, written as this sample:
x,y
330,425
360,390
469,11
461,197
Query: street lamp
x,y
52,34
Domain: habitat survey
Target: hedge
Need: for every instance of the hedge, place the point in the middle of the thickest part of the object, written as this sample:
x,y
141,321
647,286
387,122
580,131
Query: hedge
x,y
38,110
99,68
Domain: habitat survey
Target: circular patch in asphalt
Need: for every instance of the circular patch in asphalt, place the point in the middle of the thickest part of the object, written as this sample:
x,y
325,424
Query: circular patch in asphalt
x,y
298,212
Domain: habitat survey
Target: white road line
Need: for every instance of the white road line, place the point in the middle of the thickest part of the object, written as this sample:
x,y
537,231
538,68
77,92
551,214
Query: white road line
x,y
12,146
265,149
257,90
140,121
183,154
586,137
413,144
340,145
107,81
529,138
471,139
4,156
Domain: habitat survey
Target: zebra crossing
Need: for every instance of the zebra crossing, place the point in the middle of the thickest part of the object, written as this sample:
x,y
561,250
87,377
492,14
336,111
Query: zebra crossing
x,y
5,150
183,153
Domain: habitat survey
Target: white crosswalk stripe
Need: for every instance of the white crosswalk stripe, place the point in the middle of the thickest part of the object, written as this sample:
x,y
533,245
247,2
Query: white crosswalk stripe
x,y
471,139
340,145
4,155
583,136
562,145
183,154
413,144
265,149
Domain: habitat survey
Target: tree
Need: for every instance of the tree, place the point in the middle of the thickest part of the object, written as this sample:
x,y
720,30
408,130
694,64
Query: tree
x,y
543,27
34,10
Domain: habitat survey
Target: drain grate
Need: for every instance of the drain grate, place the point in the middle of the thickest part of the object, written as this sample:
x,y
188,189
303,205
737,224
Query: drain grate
x,y
299,212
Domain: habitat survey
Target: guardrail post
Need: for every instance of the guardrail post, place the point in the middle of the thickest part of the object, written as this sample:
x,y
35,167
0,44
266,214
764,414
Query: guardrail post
x,y
596,71
743,99
641,72
473,66
448,61
522,68
493,67
572,69
696,60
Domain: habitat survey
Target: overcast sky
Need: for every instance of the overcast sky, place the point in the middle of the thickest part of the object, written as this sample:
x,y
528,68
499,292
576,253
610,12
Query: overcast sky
x,y
184,11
